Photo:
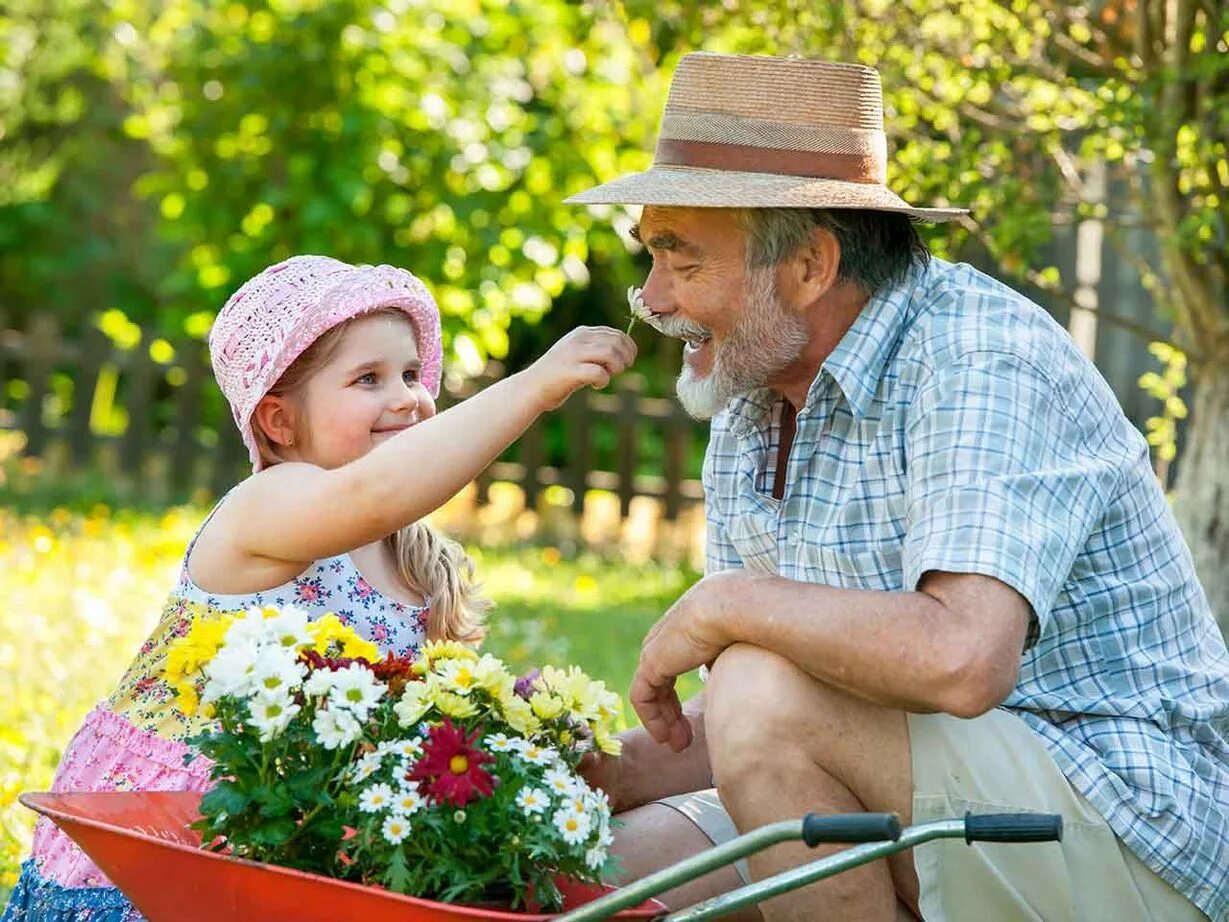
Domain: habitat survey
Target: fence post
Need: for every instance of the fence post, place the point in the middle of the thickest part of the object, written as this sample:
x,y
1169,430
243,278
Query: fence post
x,y
95,346
40,347
187,409
629,395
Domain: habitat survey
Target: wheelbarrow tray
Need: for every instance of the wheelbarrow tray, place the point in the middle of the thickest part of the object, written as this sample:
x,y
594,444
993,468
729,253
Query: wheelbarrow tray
x,y
144,843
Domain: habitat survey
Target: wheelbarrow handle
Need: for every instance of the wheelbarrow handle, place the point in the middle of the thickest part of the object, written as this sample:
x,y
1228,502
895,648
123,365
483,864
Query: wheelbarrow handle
x,y
818,828
1013,827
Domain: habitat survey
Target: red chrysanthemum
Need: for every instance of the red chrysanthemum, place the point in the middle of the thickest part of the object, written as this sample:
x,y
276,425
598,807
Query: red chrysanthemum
x,y
395,671
450,767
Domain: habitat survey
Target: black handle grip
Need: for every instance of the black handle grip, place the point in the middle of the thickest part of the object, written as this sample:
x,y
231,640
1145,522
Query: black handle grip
x,y
1013,827
850,827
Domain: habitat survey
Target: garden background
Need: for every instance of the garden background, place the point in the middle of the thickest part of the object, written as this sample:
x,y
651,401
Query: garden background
x,y
154,155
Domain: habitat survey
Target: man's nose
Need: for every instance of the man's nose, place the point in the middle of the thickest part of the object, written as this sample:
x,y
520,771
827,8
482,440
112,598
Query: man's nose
x,y
657,293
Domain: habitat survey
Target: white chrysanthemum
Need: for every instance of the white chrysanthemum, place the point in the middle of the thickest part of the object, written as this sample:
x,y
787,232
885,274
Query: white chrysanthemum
x,y
573,827
595,857
271,714
277,670
532,800
376,798
561,782
230,672
395,829
537,755
336,727
248,629
500,742
415,702
356,688
635,303
288,629
319,683
408,801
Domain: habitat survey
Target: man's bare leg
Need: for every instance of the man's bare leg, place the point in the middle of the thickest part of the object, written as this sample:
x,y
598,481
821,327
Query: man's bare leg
x,y
783,744
655,836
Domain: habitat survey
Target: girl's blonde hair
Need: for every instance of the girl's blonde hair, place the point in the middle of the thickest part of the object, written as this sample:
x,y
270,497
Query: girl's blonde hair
x,y
429,563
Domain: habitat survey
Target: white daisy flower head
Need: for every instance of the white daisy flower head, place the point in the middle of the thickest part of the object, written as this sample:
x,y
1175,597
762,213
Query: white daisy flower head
x,y
395,829
635,303
288,629
248,628
573,827
336,727
271,714
376,798
230,672
595,857
407,801
535,754
410,748
561,782
501,742
532,801
356,688
367,766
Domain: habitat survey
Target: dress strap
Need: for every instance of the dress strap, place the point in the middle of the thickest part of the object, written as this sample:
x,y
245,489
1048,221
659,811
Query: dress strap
x,y
201,527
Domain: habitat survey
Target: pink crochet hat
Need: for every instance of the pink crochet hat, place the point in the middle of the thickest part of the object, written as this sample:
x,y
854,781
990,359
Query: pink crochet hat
x,y
276,315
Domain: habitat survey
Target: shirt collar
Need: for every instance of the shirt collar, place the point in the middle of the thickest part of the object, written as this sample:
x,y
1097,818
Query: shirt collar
x,y
857,363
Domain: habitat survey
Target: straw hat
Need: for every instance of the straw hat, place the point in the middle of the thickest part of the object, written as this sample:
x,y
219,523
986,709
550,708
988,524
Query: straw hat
x,y
743,131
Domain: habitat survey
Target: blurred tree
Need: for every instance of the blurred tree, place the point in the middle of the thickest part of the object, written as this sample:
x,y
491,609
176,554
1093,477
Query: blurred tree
x,y
1005,107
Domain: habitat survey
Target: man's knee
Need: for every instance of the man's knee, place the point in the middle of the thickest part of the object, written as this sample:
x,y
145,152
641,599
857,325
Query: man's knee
x,y
754,709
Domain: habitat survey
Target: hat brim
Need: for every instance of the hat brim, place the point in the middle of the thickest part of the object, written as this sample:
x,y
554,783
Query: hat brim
x,y
694,187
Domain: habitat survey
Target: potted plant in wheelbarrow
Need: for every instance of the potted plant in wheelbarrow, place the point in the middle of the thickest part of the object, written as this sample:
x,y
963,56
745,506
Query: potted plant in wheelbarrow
x,y
435,787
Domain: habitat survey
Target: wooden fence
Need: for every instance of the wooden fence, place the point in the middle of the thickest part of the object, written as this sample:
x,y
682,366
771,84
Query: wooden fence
x,y
152,416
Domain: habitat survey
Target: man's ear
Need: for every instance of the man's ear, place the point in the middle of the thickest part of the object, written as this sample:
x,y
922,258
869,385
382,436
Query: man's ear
x,y
274,415
816,266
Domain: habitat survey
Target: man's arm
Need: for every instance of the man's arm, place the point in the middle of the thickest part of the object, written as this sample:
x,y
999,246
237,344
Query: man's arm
x,y
953,645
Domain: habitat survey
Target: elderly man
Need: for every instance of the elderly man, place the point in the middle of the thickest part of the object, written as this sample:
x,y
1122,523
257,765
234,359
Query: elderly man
x,y
941,574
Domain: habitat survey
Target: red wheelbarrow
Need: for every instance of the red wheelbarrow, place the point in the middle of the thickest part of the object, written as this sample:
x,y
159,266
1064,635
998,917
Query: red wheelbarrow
x,y
143,842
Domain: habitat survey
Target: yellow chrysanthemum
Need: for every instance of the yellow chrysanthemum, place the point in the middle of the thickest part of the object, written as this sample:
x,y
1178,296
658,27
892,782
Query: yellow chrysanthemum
x,y
328,630
435,650
608,744
520,716
196,648
451,704
545,705
414,703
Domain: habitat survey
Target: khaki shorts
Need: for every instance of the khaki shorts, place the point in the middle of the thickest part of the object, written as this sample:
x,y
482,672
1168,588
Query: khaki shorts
x,y
995,764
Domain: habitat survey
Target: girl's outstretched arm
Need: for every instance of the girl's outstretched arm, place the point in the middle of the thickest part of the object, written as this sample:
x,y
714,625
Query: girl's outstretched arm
x,y
296,512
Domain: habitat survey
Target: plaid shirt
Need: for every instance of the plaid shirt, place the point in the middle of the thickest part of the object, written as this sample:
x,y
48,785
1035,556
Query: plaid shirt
x,y
957,427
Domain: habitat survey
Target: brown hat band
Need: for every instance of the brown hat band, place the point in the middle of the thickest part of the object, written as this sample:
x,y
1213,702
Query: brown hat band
x,y
744,158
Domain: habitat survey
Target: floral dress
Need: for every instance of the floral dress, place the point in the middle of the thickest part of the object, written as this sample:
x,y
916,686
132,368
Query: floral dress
x,y
134,739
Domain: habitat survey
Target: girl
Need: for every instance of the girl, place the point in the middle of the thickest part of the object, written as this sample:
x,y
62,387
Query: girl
x,y
330,371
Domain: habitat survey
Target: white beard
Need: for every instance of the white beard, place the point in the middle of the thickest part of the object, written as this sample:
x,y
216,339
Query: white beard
x,y
766,339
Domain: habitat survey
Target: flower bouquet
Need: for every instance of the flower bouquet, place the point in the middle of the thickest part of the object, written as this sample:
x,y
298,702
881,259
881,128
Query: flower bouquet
x,y
442,776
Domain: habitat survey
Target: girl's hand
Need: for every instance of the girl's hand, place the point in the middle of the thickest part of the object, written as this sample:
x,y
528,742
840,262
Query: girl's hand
x,y
585,356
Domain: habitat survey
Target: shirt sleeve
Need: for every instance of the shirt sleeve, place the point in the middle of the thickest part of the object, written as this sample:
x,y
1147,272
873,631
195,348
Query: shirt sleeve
x,y
1001,479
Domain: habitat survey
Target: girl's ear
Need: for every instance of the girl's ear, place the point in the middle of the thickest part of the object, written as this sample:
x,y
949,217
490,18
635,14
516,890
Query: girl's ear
x,y
274,415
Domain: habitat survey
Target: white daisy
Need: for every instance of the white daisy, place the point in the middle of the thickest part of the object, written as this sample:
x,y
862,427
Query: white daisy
x,y
573,826
395,829
536,755
595,857
336,727
319,683
561,782
532,801
407,801
376,798
501,742
356,688
277,670
407,749
367,766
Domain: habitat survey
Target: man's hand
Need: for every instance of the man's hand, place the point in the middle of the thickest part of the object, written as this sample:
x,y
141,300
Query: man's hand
x,y
691,634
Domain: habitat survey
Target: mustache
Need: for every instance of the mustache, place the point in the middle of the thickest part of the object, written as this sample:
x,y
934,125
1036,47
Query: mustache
x,y
677,327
